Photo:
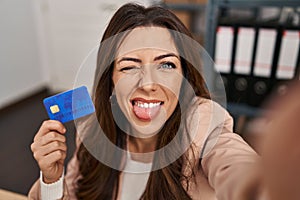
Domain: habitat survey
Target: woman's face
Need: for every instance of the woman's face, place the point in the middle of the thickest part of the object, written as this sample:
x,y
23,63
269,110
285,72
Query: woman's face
x,y
147,77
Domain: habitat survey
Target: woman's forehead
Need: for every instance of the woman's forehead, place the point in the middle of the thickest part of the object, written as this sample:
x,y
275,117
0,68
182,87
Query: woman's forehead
x,y
147,38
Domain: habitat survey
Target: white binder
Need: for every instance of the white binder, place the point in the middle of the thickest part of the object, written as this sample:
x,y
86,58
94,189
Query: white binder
x,y
264,52
244,50
223,52
288,54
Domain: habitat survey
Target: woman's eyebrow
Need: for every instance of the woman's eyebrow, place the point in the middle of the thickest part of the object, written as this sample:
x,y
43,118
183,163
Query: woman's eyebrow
x,y
165,55
140,61
130,59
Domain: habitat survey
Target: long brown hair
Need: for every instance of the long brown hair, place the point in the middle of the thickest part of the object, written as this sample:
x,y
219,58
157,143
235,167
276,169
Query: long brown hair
x,y
99,181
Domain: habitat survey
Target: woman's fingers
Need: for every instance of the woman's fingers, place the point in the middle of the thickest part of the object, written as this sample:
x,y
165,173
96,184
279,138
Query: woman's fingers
x,y
53,157
47,149
50,126
52,136
46,139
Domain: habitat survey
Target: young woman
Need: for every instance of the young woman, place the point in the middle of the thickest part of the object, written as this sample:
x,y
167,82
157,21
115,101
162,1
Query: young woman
x,y
161,135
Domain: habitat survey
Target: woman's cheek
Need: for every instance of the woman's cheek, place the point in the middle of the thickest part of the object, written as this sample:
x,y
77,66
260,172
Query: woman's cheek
x,y
171,81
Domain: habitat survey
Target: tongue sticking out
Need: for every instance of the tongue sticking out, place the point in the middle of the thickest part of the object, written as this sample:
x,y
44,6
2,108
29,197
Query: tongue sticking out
x,y
146,113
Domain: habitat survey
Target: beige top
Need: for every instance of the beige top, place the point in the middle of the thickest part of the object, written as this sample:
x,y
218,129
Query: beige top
x,y
224,168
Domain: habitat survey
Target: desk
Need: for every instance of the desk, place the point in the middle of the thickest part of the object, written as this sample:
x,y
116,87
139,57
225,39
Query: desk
x,y
8,195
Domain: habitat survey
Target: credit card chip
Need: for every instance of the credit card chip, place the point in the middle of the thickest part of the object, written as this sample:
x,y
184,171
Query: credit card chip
x,y
54,109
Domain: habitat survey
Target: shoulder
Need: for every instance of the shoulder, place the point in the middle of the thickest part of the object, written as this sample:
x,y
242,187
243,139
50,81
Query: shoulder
x,y
208,105
206,117
207,111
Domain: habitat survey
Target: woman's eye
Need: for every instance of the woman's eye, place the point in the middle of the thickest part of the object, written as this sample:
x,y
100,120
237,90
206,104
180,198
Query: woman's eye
x,y
129,69
167,65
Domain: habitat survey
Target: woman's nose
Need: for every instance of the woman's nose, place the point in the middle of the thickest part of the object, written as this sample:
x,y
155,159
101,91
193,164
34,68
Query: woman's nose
x,y
147,81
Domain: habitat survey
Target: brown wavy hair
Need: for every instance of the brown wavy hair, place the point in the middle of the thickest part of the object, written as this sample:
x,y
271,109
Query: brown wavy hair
x,y
99,181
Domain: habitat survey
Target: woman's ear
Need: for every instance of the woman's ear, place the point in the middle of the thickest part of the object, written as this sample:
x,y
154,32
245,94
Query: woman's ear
x,y
113,99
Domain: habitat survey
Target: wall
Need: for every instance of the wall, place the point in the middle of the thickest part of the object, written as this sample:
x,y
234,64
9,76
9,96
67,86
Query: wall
x,y
73,29
21,71
44,42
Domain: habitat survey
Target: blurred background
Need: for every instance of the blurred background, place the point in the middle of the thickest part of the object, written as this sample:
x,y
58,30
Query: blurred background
x,y
255,45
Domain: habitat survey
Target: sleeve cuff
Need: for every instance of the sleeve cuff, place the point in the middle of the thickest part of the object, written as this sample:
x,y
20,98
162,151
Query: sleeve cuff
x,y
51,191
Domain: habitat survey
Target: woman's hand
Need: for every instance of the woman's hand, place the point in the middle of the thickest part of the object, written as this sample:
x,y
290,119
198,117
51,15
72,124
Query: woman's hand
x,y
281,149
49,150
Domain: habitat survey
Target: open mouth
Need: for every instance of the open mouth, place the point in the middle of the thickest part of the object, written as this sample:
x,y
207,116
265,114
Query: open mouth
x,y
146,110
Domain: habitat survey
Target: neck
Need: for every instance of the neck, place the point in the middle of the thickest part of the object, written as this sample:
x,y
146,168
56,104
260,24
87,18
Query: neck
x,y
142,145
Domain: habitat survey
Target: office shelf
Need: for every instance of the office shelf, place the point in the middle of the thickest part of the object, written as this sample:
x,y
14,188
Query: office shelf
x,y
213,9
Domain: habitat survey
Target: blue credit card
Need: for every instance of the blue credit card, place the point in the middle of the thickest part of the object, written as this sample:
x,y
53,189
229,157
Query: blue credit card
x,y
69,105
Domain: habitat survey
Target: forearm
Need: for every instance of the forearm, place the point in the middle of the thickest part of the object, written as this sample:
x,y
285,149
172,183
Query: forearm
x,y
232,168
